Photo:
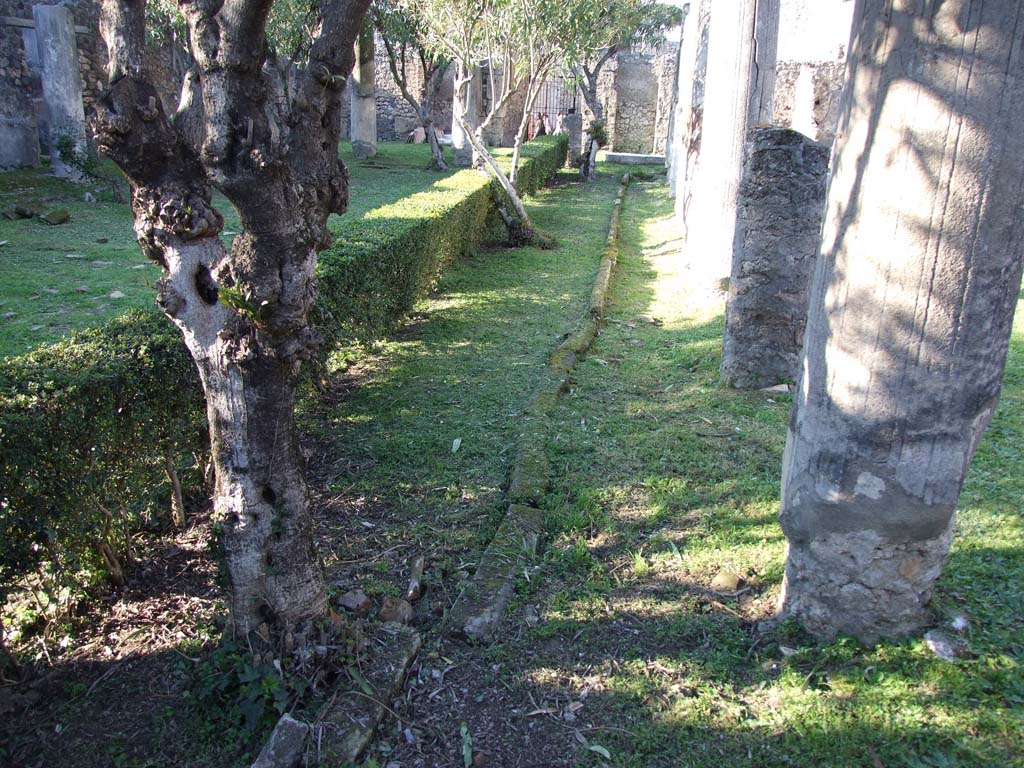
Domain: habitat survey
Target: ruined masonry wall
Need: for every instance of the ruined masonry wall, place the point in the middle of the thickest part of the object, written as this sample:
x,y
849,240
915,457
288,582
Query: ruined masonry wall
x,y
813,40
637,91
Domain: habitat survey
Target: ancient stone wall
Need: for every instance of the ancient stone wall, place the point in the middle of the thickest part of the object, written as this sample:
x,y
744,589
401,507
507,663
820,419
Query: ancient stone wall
x,y
779,215
813,40
502,130
807,97
19,137
21,99
636,90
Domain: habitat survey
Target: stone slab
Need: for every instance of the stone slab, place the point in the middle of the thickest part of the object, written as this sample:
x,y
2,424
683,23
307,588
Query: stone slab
x,y
633,158
19,143
347,724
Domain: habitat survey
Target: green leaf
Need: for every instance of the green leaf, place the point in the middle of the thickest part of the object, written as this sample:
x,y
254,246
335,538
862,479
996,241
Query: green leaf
x,y
467,746
600,750
361,681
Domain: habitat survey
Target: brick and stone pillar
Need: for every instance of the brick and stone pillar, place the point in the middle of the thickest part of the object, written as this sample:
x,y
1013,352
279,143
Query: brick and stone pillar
x,y
781,203
573,125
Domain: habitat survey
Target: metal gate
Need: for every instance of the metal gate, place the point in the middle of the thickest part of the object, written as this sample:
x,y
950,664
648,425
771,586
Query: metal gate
x,y
557,97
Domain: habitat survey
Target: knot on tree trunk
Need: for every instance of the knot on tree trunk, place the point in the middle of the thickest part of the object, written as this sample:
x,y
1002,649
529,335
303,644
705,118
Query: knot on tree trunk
x,y
338,190
109,128
172,211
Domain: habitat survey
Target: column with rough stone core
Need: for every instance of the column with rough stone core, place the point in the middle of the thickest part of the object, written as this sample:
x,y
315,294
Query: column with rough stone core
x,y
911,310
364,97
470,111
574,130
781,203
62,84
739,86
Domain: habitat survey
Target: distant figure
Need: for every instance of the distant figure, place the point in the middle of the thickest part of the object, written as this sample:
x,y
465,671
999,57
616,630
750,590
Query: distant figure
x,y
541,128
549,124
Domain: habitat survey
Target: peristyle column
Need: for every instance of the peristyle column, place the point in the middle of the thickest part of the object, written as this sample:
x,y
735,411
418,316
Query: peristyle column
x,y
739,88
910,312
62,84
364,96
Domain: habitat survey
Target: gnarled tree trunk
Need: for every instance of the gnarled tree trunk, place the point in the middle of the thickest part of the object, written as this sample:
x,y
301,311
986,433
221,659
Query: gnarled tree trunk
x,y
269,144
593,116
910,313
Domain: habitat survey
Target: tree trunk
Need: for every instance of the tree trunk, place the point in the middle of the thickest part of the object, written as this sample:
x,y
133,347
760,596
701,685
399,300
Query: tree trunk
x,y
261,496
436,152
268,142
177,501
592,116
533,87
465,115
911,310
740,83
520,229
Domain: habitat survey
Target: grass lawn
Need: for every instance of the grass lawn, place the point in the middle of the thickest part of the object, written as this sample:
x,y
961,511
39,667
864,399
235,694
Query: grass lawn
x,y
386,483
61,278
618,651
664,480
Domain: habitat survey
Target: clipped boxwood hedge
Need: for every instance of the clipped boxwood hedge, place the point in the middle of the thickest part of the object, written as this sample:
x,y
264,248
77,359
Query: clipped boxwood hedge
x,y
86,424
377,268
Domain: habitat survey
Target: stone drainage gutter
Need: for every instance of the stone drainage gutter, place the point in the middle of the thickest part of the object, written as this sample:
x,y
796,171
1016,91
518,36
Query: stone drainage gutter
x,y
346,724
479,609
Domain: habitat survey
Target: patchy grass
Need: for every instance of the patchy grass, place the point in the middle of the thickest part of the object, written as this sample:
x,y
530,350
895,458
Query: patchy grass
x,y
424,427
387,485
83,273
618,644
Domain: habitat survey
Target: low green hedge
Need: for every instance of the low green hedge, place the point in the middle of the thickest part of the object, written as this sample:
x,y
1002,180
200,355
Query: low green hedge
x,y
86,424
378,267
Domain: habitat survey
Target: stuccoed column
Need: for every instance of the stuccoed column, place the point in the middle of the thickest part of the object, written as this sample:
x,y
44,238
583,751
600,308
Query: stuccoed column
x,y
690,109
910,313
685,63
739,86
467,104
62,85
364,97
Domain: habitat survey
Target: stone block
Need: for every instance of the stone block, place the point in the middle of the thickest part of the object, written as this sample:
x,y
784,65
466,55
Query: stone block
x,y
19,142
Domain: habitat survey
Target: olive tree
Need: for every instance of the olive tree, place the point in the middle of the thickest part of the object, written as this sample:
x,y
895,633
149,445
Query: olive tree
x,y
510,36
266,137
407,55
592,32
